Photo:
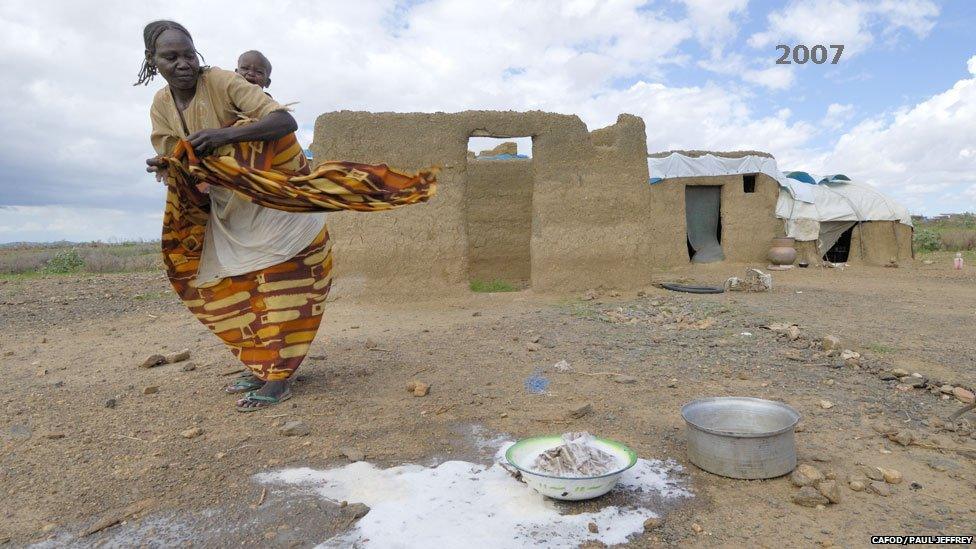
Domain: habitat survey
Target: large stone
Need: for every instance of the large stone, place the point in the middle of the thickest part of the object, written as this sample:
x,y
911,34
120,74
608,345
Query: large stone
x,y
830,490
879,488
178,356
806,475
295,428
152,361
352,454
873,473
963,395
808,496
891,476
584,410
830,343
192,432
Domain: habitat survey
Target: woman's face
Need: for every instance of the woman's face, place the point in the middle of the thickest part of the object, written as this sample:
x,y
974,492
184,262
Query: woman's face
x,y
176,59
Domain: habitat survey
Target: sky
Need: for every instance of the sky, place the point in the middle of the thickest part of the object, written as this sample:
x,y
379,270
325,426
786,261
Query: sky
x,y
897,111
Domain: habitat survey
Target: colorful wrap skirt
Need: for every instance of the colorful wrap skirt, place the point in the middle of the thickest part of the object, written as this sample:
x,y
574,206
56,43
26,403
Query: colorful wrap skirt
x,y
268,318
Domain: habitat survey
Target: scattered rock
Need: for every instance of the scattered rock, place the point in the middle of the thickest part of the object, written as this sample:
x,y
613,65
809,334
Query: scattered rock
x,y
696,528
220,455
562,366
370,344
904,438
808,496
178,356
352,454
830,343
856,485
412,385
826,404
806,475
532,347
793,332
584,410
153,361
884,428
295,428
592,544
590,295
942,465
421,389
913,382
900,372
627,380
891,476
150,390
873,473
192,432
593,528
653,523
53,436
189,367
356,511
879,488
963,395
946,389
830,490
111,403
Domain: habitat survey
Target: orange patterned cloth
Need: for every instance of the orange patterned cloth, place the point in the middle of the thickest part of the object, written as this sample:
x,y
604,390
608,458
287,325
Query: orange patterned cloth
x,y
269,318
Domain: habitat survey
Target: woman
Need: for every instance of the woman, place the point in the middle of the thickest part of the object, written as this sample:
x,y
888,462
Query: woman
x,y
241,258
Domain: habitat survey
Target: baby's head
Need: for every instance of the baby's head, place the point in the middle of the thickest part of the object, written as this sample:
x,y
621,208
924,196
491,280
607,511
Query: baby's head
x,y
255,68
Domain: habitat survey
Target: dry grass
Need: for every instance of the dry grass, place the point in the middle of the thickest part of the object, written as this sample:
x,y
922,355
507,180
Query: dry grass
x,y
94,257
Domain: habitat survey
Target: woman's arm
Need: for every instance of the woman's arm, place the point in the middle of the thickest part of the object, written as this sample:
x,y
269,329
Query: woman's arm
x,y
275,125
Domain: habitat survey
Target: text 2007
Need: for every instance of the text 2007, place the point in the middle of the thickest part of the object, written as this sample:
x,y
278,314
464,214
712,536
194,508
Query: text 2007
x,y
801,54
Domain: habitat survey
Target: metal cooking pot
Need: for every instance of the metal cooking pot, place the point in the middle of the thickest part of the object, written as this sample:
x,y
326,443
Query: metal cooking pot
x,y
739,437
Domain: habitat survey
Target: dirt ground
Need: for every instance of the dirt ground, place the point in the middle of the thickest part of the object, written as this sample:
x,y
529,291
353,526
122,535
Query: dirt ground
x,y
69,345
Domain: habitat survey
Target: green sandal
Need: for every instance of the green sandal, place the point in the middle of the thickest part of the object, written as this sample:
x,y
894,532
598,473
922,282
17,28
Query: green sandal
x,y
246,382
260,401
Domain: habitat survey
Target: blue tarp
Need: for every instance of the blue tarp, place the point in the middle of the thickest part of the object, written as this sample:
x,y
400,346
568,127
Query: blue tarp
x,y
503,157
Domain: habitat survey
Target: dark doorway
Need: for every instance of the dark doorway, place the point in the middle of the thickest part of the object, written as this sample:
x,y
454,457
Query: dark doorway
x,y
839,252
703,218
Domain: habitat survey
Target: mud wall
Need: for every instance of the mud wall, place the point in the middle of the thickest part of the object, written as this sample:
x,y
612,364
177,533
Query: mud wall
x,y
498,220
748,219
590,201
878,242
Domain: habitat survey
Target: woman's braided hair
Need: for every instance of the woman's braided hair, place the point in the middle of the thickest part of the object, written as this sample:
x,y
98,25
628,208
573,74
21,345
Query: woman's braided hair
x,y
149,36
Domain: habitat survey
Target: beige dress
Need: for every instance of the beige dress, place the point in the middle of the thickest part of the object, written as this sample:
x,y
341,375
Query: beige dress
x,y
241,236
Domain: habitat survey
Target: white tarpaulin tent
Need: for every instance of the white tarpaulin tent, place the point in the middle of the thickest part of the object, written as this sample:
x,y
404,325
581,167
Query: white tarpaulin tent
x,y
813,208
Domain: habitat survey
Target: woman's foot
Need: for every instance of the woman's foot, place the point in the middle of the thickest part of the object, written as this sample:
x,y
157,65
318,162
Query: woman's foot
x,y
246,382
273,392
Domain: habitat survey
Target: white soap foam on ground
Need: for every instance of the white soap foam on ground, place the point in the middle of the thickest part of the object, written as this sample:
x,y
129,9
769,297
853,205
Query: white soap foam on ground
x,y
463,504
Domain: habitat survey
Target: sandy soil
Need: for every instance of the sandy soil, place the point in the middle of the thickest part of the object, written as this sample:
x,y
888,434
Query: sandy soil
x,y
70,344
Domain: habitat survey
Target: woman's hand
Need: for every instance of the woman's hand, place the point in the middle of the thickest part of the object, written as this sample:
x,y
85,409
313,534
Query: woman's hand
x,y
157,166
206,142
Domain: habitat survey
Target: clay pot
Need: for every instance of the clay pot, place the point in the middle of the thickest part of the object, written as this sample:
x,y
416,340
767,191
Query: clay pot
x,y
782,251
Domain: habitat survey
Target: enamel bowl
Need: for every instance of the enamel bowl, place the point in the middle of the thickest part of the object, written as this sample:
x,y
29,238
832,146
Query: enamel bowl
x,y
521,455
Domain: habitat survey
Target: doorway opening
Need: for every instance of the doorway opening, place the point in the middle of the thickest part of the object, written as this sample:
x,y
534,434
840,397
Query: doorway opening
x,y
841,250
498,212
703,220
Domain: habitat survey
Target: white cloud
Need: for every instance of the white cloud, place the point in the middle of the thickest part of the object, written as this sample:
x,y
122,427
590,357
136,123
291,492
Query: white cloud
x,y
837,116
853,23
779,77
921,154
971,65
